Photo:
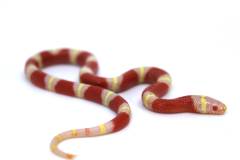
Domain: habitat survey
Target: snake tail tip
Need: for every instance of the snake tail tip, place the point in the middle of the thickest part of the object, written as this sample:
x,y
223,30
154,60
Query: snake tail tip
x,y
71,157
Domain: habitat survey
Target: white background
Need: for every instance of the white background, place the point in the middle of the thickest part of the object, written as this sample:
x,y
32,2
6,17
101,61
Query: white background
x,y
197,42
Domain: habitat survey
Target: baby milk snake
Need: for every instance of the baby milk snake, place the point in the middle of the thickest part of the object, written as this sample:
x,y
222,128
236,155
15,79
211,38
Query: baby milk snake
x,y
104,91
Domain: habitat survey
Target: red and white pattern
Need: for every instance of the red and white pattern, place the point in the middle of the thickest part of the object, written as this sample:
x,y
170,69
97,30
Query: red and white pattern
x,y
103,91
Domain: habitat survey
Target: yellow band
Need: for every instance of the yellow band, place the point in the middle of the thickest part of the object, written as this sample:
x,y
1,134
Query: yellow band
x,y
115,83
74,133
203,104
59,138
124,108
165,79
141,78
73,56
38,58
105,101
50,83
79,90
147,97
102,129
54,147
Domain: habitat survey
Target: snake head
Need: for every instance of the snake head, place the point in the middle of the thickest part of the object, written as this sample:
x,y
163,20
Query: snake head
x,y
208,105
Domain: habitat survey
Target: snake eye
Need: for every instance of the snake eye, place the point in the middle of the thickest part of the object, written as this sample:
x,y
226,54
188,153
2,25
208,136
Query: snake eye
x,y
215,108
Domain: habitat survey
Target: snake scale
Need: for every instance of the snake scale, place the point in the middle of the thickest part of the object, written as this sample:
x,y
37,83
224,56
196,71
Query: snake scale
x,y
104,91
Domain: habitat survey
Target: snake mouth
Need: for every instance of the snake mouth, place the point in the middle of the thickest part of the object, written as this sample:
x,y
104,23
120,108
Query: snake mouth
x,y
222,109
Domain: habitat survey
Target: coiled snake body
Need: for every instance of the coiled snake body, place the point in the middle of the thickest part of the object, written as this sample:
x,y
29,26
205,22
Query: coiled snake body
x,y
104,91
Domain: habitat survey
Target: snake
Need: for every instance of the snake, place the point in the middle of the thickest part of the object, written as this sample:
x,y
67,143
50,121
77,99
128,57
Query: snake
x,y
104,91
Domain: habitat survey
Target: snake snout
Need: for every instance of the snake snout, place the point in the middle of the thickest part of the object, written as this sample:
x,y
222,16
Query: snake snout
x,y
208,105
217,108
